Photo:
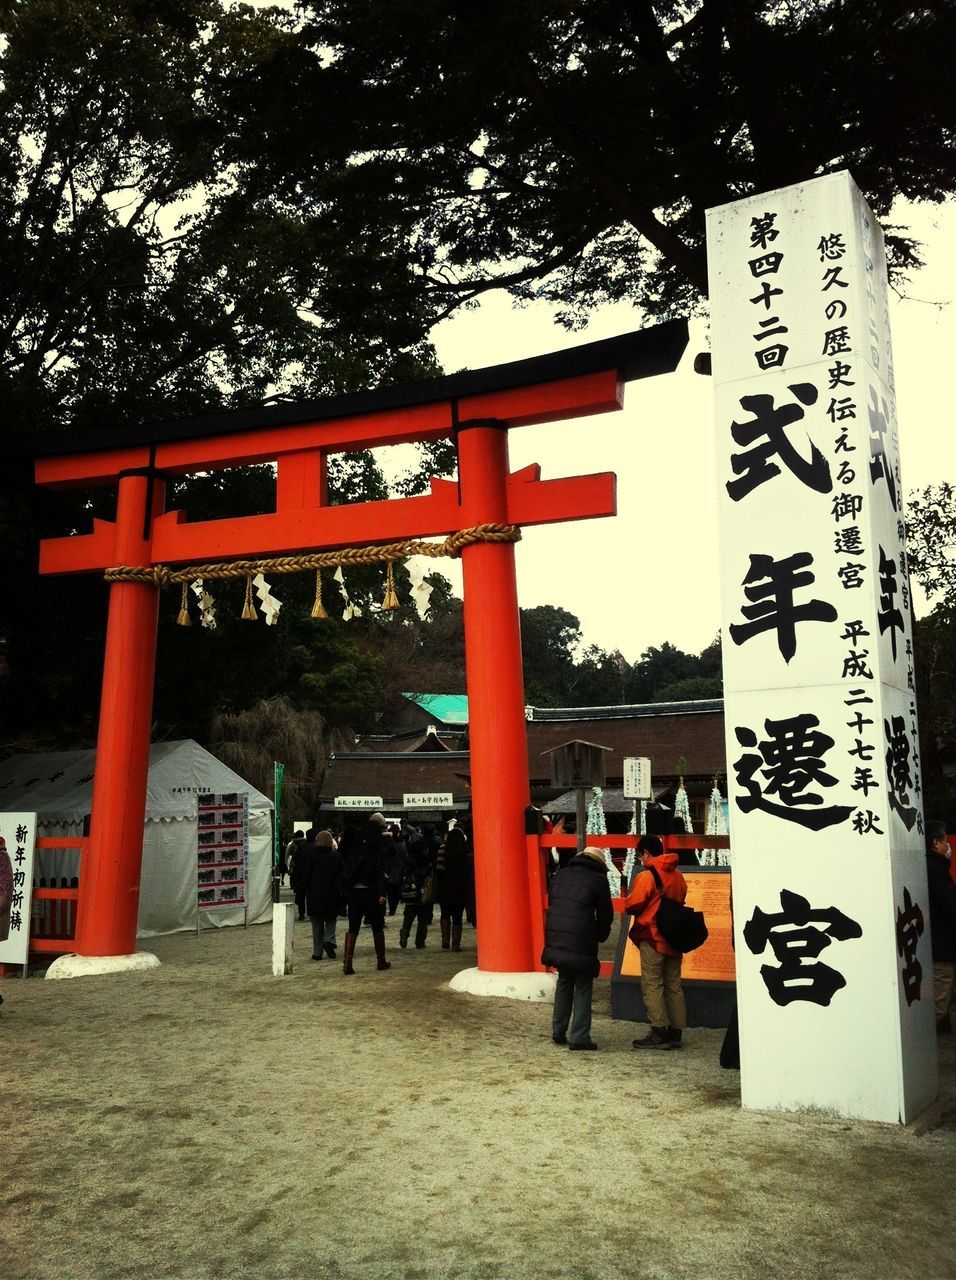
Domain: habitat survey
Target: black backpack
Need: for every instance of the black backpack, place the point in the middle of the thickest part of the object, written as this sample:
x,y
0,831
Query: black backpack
x,y
680,926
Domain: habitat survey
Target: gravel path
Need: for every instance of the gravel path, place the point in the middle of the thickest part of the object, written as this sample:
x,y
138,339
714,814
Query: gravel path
x,y
206,1120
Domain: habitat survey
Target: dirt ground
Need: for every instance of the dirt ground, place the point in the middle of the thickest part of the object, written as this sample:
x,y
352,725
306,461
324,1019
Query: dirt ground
x,y
207,1120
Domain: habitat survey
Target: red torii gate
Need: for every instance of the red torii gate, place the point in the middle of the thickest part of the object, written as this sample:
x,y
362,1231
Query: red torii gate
x,y
476,409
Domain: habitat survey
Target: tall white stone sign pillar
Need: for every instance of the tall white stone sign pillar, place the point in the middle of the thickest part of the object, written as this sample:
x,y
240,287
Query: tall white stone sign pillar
x,y
834,974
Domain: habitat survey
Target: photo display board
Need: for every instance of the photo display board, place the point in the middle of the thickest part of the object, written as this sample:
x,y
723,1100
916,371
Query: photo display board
x,y
223,856
833,957
16,885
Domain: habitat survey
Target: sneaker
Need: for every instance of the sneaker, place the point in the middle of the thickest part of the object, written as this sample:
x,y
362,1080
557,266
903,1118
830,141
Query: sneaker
x,y
655,1039
560,1038
587,1044
403,940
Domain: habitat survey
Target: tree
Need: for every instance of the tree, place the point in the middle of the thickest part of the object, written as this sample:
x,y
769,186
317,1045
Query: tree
x,y
570,150
145,270
273,730
931,542
549,637
931,554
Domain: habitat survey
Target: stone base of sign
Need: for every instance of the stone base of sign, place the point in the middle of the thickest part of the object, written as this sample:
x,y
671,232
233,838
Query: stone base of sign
x,y
513,986
95,966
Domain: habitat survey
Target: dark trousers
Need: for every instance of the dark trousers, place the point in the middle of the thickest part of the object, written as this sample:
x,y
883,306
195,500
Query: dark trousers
x,y
572,1006
323,931
364,905
423,914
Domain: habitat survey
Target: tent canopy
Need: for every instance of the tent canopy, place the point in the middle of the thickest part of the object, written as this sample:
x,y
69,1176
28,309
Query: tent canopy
x,y
58,785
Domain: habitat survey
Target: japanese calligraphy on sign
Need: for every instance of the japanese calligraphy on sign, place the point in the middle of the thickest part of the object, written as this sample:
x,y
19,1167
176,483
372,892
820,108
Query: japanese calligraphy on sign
x,y
823,769
815,586
17,842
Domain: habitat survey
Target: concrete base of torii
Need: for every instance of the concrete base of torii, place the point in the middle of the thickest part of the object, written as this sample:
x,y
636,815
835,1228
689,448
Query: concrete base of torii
x,y
513,986
94,966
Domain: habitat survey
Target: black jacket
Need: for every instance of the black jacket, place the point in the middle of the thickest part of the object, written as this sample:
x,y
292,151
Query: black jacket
x,y
320,876
365,860
942,907
580,916
454,870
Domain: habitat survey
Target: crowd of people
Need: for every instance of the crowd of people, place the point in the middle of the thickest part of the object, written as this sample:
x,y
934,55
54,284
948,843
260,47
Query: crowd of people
x,y
380,867
371,871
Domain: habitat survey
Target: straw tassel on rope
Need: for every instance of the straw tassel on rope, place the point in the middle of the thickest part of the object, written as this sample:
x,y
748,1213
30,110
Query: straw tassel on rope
x,y
183,619
318,608
391,599
249,608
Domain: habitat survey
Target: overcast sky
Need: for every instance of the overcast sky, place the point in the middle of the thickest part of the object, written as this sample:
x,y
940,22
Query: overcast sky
x,y
649,574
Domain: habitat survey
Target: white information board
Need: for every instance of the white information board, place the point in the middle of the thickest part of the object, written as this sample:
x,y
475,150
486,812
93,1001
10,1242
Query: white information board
x,y
637,778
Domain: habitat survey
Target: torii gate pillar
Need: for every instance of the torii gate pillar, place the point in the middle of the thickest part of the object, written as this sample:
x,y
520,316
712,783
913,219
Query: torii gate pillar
x,y
499,758
107,925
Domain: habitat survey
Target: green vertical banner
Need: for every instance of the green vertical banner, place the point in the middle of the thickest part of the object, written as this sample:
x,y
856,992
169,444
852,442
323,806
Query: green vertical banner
x,y
278,773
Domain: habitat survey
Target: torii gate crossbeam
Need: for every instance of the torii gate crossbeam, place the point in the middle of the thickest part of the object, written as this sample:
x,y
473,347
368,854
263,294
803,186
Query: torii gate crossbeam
x,y
477,409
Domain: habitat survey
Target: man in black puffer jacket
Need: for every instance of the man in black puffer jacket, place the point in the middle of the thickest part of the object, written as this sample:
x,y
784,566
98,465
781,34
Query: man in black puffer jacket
x,y
579,919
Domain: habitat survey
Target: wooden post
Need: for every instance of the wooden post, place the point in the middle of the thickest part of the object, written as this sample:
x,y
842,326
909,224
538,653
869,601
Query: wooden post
x,y
283,925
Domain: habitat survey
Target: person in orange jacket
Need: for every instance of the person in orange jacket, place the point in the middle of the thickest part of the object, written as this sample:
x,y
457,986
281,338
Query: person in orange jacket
x,y
660,963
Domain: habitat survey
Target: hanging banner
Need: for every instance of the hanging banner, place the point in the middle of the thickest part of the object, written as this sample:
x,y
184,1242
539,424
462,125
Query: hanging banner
x,y
833,960
17,843
223,860
278,776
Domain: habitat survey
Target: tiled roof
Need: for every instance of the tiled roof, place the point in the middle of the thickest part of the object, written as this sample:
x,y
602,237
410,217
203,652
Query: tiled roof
x,y
665,737
627,711
392,773
673,732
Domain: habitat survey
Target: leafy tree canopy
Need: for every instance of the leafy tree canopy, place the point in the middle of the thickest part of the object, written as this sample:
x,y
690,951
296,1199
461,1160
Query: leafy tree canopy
x,y
931,555
931,542
569,150
146,269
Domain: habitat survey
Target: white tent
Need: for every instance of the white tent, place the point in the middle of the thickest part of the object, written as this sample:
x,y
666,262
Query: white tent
x,y
58,787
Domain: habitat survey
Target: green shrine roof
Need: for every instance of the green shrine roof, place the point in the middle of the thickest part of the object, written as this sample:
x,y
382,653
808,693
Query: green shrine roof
x,y
449,708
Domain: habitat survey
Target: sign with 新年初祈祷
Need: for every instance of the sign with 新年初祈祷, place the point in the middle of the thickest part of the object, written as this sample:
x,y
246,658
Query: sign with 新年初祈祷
x,y
17,843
